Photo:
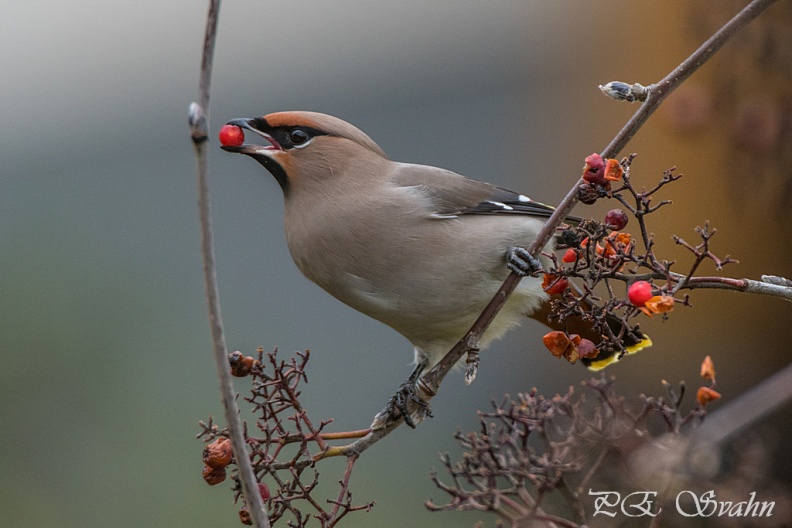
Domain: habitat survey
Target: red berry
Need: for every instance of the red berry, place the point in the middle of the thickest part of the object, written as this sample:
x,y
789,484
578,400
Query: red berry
x,y
617,219
231,136
594,162
594,170
569,256
264,491
639,293
554,285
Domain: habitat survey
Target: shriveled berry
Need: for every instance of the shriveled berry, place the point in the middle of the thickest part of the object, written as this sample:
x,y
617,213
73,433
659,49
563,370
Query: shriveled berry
x,y
214,476
708,369
617,219
613,171
704,395
240,365
556,342
594,169
245,517
639,292
659,304
231,136
587,193
218,454
587,349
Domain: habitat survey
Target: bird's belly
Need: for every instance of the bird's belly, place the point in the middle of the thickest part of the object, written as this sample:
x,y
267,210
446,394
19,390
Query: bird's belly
x,y
443,311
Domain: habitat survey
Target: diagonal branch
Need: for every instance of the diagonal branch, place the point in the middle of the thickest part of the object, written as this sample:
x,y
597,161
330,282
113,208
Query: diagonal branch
x,y
430,382
199,127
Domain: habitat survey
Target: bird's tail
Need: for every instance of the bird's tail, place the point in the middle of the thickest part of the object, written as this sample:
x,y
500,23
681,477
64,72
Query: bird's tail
x,y
634,340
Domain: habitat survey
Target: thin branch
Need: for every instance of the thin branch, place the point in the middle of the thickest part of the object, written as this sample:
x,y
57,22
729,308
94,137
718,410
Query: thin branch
x,y
199,127
429,383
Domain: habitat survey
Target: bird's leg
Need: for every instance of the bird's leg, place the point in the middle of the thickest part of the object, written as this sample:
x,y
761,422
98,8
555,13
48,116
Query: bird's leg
x,y
520,261
408,392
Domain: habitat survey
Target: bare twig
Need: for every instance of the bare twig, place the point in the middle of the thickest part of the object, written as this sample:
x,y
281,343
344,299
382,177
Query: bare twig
x,y
430,381
199,126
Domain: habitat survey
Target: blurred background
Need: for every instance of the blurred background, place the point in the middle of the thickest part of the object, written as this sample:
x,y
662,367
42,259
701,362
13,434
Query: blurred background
x,y
105,350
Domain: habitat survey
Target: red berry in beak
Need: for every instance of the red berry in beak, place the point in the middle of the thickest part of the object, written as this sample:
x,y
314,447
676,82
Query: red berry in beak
x,y
231,136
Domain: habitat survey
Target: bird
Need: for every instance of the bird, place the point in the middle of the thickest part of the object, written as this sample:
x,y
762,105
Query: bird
x,y
419,248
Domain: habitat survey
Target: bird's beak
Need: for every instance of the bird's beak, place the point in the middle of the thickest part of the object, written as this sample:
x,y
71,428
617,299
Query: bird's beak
x,y
250,149
264,154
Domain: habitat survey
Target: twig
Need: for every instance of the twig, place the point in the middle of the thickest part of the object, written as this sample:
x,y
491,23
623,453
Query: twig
x,y
199,126
429,383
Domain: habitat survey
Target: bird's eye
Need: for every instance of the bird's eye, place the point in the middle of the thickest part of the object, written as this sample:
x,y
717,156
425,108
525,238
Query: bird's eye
x,y
298,136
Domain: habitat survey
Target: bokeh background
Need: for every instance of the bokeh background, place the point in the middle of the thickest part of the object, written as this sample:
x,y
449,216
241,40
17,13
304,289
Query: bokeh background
x,y
105,365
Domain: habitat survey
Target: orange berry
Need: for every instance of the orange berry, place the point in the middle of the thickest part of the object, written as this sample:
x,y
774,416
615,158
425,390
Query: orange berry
x,y
708,369
556,342
553,284
218,454
704,395
214,476
612,171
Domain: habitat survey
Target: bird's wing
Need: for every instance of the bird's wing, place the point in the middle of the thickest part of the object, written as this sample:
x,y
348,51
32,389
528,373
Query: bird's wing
x,y
453,195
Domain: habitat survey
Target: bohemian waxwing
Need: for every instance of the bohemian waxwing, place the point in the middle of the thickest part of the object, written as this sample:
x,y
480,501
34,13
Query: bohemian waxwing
x,y
419,248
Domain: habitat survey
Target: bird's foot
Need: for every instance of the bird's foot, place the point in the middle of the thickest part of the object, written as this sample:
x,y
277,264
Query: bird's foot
x,y
520,261
408,403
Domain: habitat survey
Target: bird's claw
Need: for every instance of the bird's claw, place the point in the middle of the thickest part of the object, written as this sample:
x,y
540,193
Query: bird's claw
x,y
520,261
398,404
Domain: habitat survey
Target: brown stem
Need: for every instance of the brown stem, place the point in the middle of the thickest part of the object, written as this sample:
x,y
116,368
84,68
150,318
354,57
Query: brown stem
x,y
199,126
339,503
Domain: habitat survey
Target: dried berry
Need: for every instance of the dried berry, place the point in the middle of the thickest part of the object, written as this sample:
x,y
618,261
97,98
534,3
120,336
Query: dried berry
x,y
587,349
556,342
569,238
594,169
617,219
708,369
613,171
240,365
231,136
587,194
704,395
554,284
218,454
639,292
570,256
617,242
214,475
658,304
562,345
244,516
